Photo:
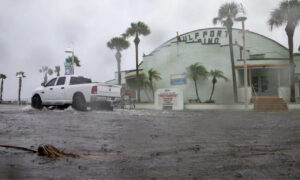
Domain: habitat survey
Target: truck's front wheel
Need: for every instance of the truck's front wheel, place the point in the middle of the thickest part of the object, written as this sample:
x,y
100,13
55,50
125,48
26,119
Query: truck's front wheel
x,y
79,102
36,102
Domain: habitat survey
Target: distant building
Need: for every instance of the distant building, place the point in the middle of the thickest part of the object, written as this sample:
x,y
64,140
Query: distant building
x,y
268,65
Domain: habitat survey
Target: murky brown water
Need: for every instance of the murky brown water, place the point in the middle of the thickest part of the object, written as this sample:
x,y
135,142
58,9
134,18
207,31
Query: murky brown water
x,y
140,144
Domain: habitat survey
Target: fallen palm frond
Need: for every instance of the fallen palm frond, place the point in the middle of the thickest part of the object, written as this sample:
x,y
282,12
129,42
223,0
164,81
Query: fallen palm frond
x,y
18,147
45,150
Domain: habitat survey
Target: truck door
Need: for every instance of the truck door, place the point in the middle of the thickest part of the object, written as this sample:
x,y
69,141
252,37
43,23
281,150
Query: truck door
x,y
59,90
48,91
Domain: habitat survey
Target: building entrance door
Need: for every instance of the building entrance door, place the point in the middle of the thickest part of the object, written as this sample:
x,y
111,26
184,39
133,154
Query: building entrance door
x,y
264,82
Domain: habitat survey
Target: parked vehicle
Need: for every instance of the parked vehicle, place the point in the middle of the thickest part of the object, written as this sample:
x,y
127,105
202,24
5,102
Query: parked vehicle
x,y
77,91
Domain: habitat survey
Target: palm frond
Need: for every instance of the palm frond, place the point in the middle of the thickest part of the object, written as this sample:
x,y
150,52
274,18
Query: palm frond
x,y
288,12
50,71
139,27
131,31
76,60
228,10
153,74
57,69
216,20
143,82
197,71
277,18
143,29
218,74
2,76
226,14
118,43
20,73
124,35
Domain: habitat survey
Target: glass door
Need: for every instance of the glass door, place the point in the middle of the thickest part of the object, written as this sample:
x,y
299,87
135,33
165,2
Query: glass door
x,y
264,83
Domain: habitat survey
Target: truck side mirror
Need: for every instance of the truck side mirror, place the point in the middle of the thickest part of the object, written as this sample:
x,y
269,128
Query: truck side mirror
x,y
43,84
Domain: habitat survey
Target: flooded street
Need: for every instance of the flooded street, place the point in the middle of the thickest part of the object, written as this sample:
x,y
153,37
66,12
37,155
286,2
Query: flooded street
x,y
144,144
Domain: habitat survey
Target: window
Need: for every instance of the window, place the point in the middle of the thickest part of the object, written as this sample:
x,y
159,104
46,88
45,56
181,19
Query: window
x,y
79,80
61,81
51,82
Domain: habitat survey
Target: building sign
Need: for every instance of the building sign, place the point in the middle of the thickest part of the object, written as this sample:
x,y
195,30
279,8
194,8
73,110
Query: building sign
x,y
167,98
177,79
204,36
68,68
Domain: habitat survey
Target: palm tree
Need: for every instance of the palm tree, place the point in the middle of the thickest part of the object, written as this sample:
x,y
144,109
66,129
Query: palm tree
x,y
226,16
57,70
119,44
215,74
288,14
143,83
153,75
76,61
2,77
135,30
196,72
20,75
46,71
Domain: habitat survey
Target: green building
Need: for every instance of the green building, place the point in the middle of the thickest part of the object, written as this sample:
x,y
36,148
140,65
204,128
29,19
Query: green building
x,y
268,65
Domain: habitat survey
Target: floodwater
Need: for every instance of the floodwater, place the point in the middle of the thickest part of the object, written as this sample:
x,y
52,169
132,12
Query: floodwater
x,y
144,144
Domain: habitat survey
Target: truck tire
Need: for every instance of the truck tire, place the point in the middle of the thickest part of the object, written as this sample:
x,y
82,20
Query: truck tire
x,y
36,102
79,102
109,106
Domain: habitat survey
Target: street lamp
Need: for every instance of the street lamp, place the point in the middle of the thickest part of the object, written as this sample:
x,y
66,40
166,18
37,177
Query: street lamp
x,y
241,16
70,50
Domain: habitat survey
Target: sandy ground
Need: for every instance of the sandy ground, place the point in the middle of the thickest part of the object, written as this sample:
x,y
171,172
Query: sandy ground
x,y
140,144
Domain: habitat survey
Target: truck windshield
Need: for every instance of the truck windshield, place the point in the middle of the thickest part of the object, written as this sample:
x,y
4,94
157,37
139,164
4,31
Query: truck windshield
x,y
79,80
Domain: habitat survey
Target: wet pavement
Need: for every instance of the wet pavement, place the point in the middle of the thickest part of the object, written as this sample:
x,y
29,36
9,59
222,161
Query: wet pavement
x,y
144,144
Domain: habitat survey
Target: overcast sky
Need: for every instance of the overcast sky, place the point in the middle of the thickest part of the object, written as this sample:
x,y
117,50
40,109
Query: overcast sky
x,y
35,33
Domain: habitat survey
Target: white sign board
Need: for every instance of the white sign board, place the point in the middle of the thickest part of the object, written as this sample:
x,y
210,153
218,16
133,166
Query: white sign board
x,y
169,99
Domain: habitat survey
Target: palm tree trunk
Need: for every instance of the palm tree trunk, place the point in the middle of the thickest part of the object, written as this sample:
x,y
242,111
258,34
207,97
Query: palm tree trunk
x,y
196,90
45,78
118,57
20,86
119,72
136,42
151,86
229,28
212,91
1,90
290,33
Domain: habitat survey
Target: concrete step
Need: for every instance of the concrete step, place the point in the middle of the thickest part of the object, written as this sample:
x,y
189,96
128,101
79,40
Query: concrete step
x,y
269,103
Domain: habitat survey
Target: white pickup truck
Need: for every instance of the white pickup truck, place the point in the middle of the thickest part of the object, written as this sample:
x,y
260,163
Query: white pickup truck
x,y
78,91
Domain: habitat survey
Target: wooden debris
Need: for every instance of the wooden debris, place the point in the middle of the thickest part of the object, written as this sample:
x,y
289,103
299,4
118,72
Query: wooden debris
x,y
45,150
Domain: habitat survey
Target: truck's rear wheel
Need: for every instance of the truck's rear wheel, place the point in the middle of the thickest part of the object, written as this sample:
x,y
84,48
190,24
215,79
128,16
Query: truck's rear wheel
x,y
108,106
79,102
36,102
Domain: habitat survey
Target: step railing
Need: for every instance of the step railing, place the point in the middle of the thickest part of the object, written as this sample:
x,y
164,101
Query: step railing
x,y
255,95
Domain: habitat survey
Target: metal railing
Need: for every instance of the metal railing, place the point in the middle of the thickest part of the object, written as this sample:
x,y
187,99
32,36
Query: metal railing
x,y
254,91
